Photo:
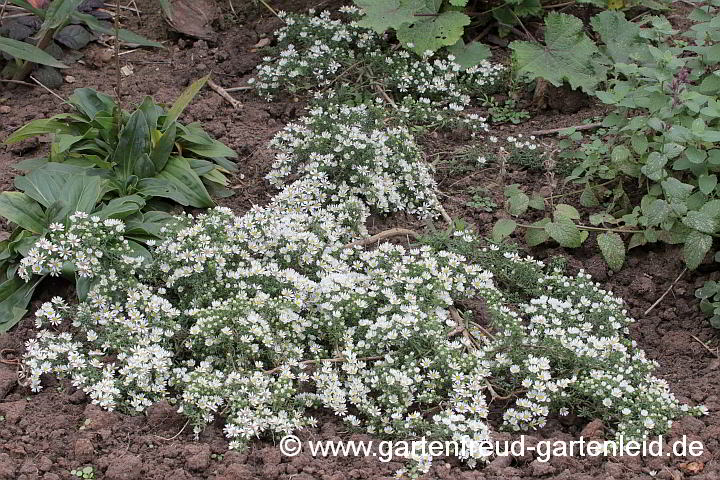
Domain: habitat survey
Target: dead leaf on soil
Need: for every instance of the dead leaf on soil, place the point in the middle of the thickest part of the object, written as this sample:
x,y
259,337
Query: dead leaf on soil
x,y
192,17
692,468
39,3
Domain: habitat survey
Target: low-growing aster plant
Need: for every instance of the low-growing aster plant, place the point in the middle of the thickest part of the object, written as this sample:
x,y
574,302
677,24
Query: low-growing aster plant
x,y
314,53
364,158
258,318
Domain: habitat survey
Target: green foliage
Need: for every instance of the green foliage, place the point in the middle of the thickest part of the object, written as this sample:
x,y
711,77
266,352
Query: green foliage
x,y
505,112
62,22
424,26
568,55
481,199
661,136
112,164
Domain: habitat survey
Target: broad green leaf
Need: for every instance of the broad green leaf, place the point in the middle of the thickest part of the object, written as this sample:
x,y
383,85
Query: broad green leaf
x,y
588,198
432,33
518,203
183,101
536,236
707,183
537,201
565,232
14,306
382,15
612,248
91,102
81,194
568,55
657,212
121,207
25,51
697,245
503,228
700,221
621,38
178,182
567,211
23,211
42,185
470,54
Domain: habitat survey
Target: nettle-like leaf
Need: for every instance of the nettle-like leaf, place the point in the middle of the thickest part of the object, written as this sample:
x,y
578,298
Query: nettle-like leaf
x,y
621,38
568,55
432,33
470,54
613,249
697,245
382,15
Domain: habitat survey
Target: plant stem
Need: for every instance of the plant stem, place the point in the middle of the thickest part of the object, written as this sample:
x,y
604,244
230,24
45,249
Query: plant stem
x,y
27,65
118,74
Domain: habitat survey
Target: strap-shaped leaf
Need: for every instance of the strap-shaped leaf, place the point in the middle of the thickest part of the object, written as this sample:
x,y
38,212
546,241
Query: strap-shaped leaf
x,y
132,144
25,51
124,35
178,182
23,211
59,12
41,126
164,147
183,101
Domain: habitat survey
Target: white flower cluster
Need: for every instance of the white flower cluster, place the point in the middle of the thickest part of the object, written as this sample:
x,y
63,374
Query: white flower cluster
x,y
317,52
520,143
364,158
258,319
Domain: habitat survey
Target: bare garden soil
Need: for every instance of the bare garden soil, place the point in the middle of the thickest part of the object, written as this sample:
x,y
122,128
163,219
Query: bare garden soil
x,y
46,435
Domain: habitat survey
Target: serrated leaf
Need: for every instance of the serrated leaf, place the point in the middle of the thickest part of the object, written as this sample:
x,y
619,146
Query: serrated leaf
x,y
621,38
536,236
537,202
700,221
697,245
518,203
503,228
565,232
382,15
707,183
612,248
657,212
470,54
568,55
433,33
588,199
567,211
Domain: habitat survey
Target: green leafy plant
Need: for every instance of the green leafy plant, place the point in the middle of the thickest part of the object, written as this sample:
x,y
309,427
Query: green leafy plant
x,y
87,472
424,25
111,164
481,199
60,19
505,112
661,137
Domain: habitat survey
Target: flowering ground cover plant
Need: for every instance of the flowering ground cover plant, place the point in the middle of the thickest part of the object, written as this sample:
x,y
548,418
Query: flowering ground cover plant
x,y
256,319
319,53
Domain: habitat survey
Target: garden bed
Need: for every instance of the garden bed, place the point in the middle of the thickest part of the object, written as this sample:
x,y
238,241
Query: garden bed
x,y
47,435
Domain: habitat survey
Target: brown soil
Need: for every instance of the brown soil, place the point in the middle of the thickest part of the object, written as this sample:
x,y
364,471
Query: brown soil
x,y
45,436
